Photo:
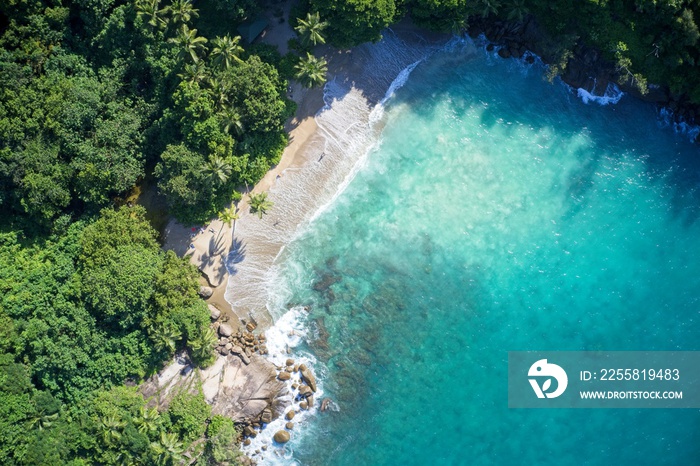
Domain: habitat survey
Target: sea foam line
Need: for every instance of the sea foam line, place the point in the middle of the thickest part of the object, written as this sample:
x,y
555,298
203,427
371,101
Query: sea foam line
x,y
348,125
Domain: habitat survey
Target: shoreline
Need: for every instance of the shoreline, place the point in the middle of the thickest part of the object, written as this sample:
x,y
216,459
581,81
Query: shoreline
x,y
307,138
210,249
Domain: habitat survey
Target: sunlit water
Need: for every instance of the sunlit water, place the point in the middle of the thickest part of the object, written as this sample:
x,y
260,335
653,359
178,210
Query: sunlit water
x,y
497,212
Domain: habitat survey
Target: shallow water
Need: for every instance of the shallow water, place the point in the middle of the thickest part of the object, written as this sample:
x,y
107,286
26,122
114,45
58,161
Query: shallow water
x,y
498,212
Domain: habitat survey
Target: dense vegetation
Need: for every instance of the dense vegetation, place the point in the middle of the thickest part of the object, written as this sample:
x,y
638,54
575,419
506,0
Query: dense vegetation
x,y
649,41
94,93
82,312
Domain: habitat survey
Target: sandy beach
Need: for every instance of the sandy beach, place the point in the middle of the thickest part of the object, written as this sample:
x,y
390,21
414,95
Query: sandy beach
x,y
324,149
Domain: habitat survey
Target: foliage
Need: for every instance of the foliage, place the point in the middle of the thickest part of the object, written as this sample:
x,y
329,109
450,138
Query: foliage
x,y
222,441
649,41
353,22
259,204
188,414
440,15
311,71
311,29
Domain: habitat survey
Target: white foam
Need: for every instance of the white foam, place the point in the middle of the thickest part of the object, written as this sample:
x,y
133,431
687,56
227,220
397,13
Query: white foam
x,y
612,95
346,134
284,340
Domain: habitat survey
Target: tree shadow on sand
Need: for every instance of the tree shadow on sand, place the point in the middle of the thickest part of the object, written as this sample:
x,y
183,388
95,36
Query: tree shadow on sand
x,y
235,256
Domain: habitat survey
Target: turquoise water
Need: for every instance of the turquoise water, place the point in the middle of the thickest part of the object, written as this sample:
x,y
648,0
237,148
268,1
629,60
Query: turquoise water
x,y
498,212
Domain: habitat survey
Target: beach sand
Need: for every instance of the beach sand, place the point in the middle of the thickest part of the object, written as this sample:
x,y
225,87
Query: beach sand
x,y
310,172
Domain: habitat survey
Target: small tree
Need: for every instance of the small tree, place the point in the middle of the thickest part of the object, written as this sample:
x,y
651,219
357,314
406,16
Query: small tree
x,y
226,51
218,169
189,43
260,204
311,71
310,30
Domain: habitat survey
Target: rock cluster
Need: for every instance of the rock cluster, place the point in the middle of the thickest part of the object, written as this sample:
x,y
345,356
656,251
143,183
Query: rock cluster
x,y
585,68
241,343
304,386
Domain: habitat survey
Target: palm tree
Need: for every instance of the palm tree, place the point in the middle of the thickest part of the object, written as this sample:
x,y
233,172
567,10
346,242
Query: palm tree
x,y
194,72
231,122
111,430
148,421
218,169
168,449
165,337
228,216
226,50
148,10
42,420
182,11
189,43
310,29
311,71
517,10
219,91
260,204
203,344
489,7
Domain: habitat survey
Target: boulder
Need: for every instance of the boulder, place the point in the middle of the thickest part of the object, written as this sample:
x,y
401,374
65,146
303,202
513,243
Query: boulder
x,y
289,425
249,431
290,362
266,416
228,346
284,375
250,326
308,377
224,351
304,405
214,312
310,400
244,357
325,404
281,436
225,330
304,391
290,415
503,52
247,442
205,292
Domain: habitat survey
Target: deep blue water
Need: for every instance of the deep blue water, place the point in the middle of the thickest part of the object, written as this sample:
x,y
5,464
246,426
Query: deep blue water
x,y
498,212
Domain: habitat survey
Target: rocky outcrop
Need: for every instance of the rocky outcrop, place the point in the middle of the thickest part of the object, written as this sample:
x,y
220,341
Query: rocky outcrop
x,y
214,312
205,292
584,67
307,377
248,392
225,330
282,436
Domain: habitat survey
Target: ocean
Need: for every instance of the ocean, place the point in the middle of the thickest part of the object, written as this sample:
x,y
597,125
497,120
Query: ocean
x,y
492,211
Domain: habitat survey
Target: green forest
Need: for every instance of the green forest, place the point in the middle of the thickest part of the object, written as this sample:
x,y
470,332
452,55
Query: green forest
x,y
99,97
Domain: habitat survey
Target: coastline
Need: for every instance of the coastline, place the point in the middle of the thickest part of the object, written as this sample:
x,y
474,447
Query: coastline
x,y
313,168
255,253
259,242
